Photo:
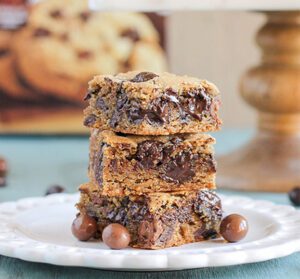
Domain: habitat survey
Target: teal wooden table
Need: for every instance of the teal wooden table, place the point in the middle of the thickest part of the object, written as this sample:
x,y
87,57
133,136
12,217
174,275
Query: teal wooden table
x,y
38,162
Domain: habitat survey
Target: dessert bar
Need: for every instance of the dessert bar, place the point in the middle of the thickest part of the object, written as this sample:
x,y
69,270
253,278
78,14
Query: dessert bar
x,y
125,164
157,220
145,103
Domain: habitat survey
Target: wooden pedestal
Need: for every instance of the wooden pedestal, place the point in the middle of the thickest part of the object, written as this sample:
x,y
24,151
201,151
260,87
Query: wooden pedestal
x,y
271,161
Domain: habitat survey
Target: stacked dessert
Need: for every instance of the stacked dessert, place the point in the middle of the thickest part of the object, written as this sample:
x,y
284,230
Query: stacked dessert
x,y
152,169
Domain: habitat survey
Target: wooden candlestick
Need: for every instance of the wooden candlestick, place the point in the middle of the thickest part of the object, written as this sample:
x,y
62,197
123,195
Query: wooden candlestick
x,y
271,161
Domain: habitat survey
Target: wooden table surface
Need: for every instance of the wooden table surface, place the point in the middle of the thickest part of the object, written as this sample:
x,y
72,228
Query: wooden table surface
x,y
38,162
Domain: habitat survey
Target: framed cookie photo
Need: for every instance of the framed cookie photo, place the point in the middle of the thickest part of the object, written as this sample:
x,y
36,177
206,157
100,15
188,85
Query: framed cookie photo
x,y
51,49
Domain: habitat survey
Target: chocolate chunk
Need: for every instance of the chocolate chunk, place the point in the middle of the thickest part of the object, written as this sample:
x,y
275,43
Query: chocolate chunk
x,y
57,14
179,169
84,54
84,16
121,107
144,76
100,104
41,32
135,114
90,120
205,233
150,231
131,34
55,189
195,104
149,153
98,165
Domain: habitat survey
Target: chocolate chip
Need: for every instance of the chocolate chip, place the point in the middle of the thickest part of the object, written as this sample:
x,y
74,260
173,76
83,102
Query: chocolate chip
x,y
55,189
90,120
131,34
144,76
116,236
100,104
84,227
294,196
57,14
149,153
3,167
2,181
234,227
84,54
41,32
84,16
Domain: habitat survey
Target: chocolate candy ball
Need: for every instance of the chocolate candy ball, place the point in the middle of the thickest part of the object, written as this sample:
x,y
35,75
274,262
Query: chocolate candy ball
x,y
3,167
116,236
294,196
55,189
84,227
234,227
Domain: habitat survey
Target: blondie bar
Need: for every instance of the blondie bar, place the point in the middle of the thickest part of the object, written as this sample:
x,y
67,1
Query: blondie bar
x,y
126,164
157,220
145,103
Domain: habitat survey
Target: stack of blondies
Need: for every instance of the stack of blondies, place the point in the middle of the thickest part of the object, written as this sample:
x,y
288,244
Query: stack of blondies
x,y
152,167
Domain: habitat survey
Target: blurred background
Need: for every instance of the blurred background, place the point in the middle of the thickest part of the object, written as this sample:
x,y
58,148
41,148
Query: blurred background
x,y
47,58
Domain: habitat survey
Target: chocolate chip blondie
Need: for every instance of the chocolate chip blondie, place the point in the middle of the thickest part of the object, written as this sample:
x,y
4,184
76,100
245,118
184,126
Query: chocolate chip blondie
x,y
146,103
126,164
157,220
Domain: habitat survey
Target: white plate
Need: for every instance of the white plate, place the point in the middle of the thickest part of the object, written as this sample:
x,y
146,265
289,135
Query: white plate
x,y
38,230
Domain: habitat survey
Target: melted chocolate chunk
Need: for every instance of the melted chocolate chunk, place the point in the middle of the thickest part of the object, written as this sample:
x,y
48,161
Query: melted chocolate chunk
x,y
84,54
179,169
144,76
149,153
57,14
90,120
98,165
85,16
41,32
156,155
131,34
194,104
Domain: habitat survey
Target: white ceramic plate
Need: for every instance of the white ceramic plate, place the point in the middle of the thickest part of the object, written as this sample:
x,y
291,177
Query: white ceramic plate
x,y
38,230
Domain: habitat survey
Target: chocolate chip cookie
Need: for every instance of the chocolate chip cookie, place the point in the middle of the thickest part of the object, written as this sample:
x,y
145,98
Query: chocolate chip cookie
x,y
65,44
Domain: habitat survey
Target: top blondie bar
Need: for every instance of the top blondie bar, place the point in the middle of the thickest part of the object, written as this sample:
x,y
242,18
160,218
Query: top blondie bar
x,y
146,103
